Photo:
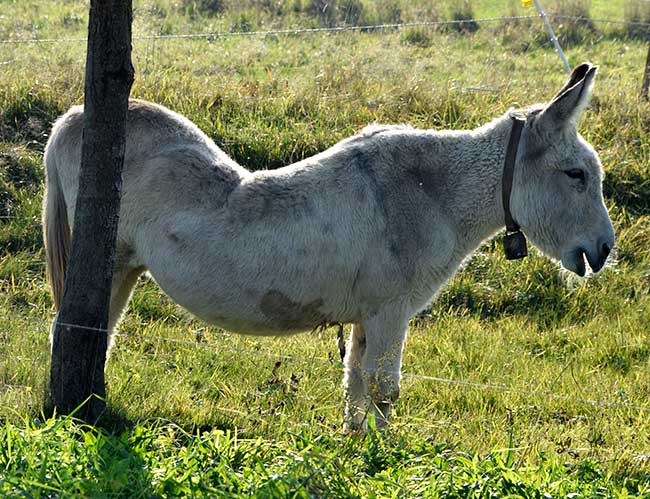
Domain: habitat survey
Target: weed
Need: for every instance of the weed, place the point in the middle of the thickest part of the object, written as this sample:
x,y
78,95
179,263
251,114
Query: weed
x,y
416,37
242,24
351,11
388,12
463,12
324,10
577,26
196,8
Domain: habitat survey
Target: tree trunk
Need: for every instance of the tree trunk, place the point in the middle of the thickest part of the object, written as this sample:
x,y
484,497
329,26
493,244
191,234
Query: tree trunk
x,y
80,336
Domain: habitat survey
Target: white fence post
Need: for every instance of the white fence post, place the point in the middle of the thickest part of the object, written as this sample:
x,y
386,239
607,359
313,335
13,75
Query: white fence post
x,y
558,49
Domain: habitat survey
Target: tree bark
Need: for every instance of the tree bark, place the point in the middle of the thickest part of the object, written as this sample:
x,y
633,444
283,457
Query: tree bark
x,y
80,336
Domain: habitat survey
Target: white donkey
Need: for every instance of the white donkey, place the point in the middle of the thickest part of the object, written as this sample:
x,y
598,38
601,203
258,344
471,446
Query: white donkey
x,y
365,232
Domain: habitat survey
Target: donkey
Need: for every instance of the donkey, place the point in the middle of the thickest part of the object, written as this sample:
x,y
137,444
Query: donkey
x,y
365,232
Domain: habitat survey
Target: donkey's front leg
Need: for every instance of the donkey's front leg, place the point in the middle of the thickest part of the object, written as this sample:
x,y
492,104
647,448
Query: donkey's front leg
x,y
354,381
373,372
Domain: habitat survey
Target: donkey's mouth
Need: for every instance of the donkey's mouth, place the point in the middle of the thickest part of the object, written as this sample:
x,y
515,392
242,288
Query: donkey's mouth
x,y
578,259
575,262
581,268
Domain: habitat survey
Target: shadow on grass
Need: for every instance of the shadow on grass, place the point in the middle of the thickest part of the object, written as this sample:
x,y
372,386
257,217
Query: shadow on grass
x,y
27,118
63,456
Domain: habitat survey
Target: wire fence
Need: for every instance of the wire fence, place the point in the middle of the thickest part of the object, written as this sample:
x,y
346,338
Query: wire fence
x,y
330,362
335,29
490,87
290,31
154,55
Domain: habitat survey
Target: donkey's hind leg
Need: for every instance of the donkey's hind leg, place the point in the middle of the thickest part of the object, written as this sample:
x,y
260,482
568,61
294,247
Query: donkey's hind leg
x,y
124,280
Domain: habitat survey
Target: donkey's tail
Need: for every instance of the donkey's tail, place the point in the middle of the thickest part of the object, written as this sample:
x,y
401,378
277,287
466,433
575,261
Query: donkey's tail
x,y
56,231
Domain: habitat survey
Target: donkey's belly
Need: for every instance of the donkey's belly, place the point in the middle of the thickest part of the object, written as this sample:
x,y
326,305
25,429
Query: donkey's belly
x,y
265,277
250,325
251,311
274,315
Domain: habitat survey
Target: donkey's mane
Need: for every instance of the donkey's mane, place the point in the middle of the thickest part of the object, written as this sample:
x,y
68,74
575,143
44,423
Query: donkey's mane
x,y
377,128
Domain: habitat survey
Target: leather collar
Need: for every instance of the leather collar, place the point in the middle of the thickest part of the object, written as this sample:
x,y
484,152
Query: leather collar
x,y
514,242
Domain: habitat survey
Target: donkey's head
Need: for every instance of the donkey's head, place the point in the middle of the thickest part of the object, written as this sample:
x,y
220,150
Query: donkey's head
x,y
557,193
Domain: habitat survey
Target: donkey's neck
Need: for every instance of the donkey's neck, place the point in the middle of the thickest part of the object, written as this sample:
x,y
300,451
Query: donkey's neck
x,y
469,167
475,181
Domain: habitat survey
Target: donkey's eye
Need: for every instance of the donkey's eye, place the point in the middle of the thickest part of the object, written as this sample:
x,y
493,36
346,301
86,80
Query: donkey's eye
x,y
575,173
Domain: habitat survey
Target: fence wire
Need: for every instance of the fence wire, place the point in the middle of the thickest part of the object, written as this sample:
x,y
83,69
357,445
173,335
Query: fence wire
x,y
334,29
259,353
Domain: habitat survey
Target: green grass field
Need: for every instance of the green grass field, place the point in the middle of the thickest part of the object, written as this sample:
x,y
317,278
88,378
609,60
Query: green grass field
x,y
551,374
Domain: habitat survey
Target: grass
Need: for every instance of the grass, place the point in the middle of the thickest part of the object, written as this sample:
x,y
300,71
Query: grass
x,y
197,411
162,460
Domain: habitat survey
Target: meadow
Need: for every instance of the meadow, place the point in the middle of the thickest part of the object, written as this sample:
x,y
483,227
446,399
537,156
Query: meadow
x,y
520,381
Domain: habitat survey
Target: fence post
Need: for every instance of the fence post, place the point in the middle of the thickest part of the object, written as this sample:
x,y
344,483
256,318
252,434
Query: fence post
x,y
79,353
646,77
551,33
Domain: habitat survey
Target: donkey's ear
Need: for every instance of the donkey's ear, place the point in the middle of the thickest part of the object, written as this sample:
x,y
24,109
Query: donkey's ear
x,y
567,106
